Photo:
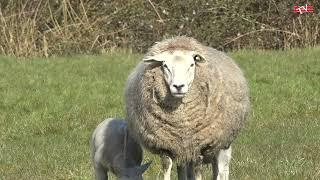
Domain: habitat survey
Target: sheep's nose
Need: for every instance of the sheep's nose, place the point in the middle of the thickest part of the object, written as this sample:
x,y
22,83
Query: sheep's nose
x,y
178,87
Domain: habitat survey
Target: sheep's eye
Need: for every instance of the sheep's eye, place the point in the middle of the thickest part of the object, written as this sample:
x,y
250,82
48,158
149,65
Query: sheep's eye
x,y
197,58
165,66
192,65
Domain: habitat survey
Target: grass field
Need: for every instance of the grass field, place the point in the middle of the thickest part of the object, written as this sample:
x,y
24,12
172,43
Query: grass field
x,y
49,108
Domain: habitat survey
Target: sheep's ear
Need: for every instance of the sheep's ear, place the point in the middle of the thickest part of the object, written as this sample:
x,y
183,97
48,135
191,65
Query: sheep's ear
x,y
152,62
198,59
152,59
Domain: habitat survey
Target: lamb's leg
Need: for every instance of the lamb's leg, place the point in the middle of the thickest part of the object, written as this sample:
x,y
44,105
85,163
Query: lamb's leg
x,y
223,162
101,173
166,166
182,172
190,171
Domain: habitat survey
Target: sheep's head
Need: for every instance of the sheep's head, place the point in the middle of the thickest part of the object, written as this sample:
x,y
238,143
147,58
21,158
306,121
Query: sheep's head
x,y
178,69
132,173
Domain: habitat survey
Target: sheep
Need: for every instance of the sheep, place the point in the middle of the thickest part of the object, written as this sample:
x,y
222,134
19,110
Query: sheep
x,y
186,101
113,149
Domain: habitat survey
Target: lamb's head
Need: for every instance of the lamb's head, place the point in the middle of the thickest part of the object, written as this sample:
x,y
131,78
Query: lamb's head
x,y
178,69
132,173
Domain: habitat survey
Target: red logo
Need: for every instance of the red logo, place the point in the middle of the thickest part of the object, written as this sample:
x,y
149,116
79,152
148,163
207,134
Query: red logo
x,y
308,8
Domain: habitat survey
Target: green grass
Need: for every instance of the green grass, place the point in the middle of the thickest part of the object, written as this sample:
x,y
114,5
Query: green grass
x,y
49,108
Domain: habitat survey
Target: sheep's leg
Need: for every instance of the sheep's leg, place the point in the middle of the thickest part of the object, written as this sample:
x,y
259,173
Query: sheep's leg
x,y
215,170
223,162
182,172
101,173
166,166
197,172
194,170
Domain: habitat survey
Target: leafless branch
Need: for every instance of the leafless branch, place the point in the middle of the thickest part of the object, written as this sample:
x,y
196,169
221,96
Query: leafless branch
x,y
154,8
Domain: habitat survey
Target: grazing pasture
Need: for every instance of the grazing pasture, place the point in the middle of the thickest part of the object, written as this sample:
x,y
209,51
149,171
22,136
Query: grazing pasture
x,y
49,108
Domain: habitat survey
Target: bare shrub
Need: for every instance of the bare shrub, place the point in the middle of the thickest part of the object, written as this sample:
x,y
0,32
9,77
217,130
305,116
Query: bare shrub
x,y
55,27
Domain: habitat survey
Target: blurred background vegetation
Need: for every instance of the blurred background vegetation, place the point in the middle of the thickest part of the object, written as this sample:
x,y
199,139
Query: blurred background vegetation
x,y
59,27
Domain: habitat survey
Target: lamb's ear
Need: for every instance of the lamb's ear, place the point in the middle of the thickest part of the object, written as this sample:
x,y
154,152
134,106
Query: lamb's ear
x,y
141,169
198,59
132,171
119,171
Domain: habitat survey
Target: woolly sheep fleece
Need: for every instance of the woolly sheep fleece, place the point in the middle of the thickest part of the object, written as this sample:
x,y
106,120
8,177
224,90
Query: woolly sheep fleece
x,y
207,119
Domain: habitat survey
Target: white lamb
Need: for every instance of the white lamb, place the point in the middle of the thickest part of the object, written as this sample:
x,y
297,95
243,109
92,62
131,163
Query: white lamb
x,y
113,149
